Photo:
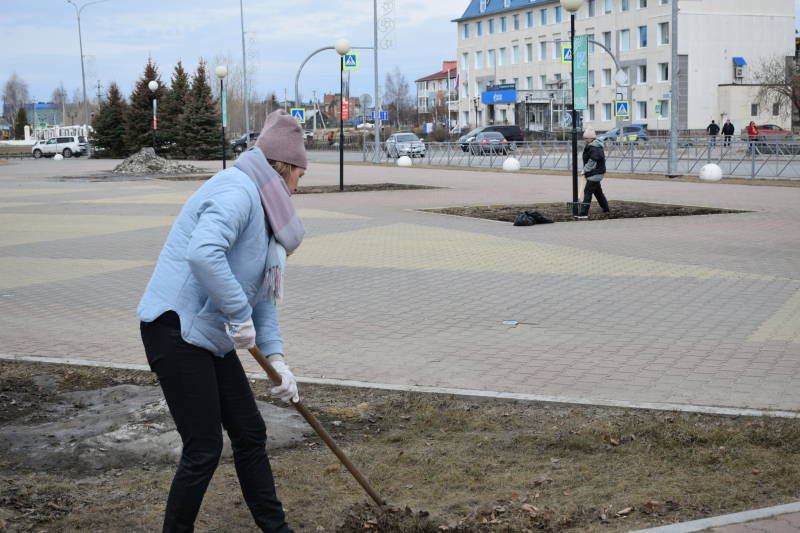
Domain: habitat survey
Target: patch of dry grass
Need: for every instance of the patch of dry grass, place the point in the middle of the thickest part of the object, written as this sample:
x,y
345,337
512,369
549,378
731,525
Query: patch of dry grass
x,y
467,466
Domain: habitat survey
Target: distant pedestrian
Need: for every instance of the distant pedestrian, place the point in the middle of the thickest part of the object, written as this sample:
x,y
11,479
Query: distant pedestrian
x,y
752,134
712,130
728,131
594,169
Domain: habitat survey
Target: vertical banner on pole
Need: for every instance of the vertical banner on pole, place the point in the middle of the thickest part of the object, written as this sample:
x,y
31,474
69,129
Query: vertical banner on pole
x,y
581,58
224,109
154,113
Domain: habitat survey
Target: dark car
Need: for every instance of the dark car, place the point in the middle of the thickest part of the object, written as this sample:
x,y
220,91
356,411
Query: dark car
x,y
240,145
490,142
512,134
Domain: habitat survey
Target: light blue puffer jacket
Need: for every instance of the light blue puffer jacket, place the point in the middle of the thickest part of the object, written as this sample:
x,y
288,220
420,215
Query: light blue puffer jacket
x,y
212,267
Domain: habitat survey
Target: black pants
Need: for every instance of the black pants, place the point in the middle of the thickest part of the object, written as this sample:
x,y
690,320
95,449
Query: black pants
x,y
593,188
727,140
205,393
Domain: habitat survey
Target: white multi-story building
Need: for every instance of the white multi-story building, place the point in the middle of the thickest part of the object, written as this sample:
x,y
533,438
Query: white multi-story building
x,y
505,42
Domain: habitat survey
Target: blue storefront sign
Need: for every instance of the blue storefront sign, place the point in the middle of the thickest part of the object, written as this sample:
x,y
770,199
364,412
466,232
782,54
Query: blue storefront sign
x,y
499,97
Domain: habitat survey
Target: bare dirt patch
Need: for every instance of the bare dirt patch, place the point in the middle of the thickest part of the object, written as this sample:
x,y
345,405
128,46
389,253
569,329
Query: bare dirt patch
x,y
563,213
471,467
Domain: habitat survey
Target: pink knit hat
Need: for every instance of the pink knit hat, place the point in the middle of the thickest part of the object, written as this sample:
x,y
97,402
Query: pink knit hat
x,y
589,133
282,139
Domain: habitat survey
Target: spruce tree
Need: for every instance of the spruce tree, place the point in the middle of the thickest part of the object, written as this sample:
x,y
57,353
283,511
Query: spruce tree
x,y
201,123
20,123
109,125
172,111
139,114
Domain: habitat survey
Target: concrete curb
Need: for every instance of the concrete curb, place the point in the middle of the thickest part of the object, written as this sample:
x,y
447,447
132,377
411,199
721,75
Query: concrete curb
x,y
725,520
475,395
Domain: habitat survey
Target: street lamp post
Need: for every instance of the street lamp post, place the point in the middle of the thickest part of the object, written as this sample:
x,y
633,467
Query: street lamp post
x,y
222,71
153,86
83,72
342,47
572,6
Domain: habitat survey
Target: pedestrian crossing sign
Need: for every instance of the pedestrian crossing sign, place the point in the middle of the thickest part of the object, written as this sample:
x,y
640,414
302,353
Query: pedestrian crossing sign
x,y
350,61
622,109
658,109
299,114
566,54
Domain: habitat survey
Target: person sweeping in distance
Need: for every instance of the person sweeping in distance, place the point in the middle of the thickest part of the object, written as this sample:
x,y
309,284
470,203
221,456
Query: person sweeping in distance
x,y
594,168
213,292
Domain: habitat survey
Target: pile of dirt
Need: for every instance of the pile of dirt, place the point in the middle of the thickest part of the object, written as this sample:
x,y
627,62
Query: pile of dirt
x,y
145,161
563,213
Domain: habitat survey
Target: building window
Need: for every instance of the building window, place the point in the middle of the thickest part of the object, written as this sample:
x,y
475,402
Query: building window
x,y
605,80
465,61
478,87
642,4
607,7
776,110
478,59
491,26
642,74
591,45
556,48
627,72
590,114
465,90
641,110
663,72
503,27
606,113
664,110
590,8
502,57
542,17
491,59
529,19
466,31
663,33
515,22
625,5
663,2
542,50
606,41
558,13
542,81
642,36
516,83
465,114
529,83
484,3
515,55
506,3
624,40
591,79
528,52
557,77
479,28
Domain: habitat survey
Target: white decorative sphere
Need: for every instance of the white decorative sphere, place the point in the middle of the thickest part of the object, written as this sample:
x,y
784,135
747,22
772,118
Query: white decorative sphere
x,y
58,157
222,71
342,46
711,172
511,165
153,85
404,161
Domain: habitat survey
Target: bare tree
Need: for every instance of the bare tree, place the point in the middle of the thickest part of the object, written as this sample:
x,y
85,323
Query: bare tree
x,y
397,94
60,98
15,94
234,89
776,81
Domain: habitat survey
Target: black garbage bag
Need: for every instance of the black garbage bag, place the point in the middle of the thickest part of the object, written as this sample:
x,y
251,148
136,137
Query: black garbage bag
x,y
538,217
524,220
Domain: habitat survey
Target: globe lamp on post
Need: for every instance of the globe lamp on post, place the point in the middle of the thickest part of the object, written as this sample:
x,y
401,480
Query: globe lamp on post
x,y
572,6
342,47
153,86
221,72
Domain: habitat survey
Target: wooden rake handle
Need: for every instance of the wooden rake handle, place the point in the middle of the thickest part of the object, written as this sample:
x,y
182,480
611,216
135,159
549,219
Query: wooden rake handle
x,y
314,423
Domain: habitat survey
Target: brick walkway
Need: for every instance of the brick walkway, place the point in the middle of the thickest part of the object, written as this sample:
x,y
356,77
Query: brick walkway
x,y
696,310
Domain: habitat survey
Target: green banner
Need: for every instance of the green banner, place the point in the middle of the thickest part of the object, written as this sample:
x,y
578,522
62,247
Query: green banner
x,y
224,109
581,62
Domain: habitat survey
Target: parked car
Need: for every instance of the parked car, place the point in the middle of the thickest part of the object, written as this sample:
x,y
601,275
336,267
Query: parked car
x,y
240,145
401,144
490,142
308,135
635,132
66,146
512,134
767,132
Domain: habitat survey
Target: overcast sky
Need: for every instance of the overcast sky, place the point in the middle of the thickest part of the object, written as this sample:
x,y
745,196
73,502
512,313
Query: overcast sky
x,y
40,39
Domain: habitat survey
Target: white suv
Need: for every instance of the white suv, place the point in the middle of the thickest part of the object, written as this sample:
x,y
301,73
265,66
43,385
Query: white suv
x,y
66,146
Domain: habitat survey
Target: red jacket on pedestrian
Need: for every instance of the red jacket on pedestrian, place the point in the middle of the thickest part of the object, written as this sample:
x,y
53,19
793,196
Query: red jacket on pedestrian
x,y
752,131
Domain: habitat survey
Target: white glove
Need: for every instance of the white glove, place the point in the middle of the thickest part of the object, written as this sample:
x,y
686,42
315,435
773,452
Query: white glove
x,y
243,335
287,390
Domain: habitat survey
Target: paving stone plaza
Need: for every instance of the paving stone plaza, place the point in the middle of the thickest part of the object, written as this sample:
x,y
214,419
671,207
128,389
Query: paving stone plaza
x,y
700,310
